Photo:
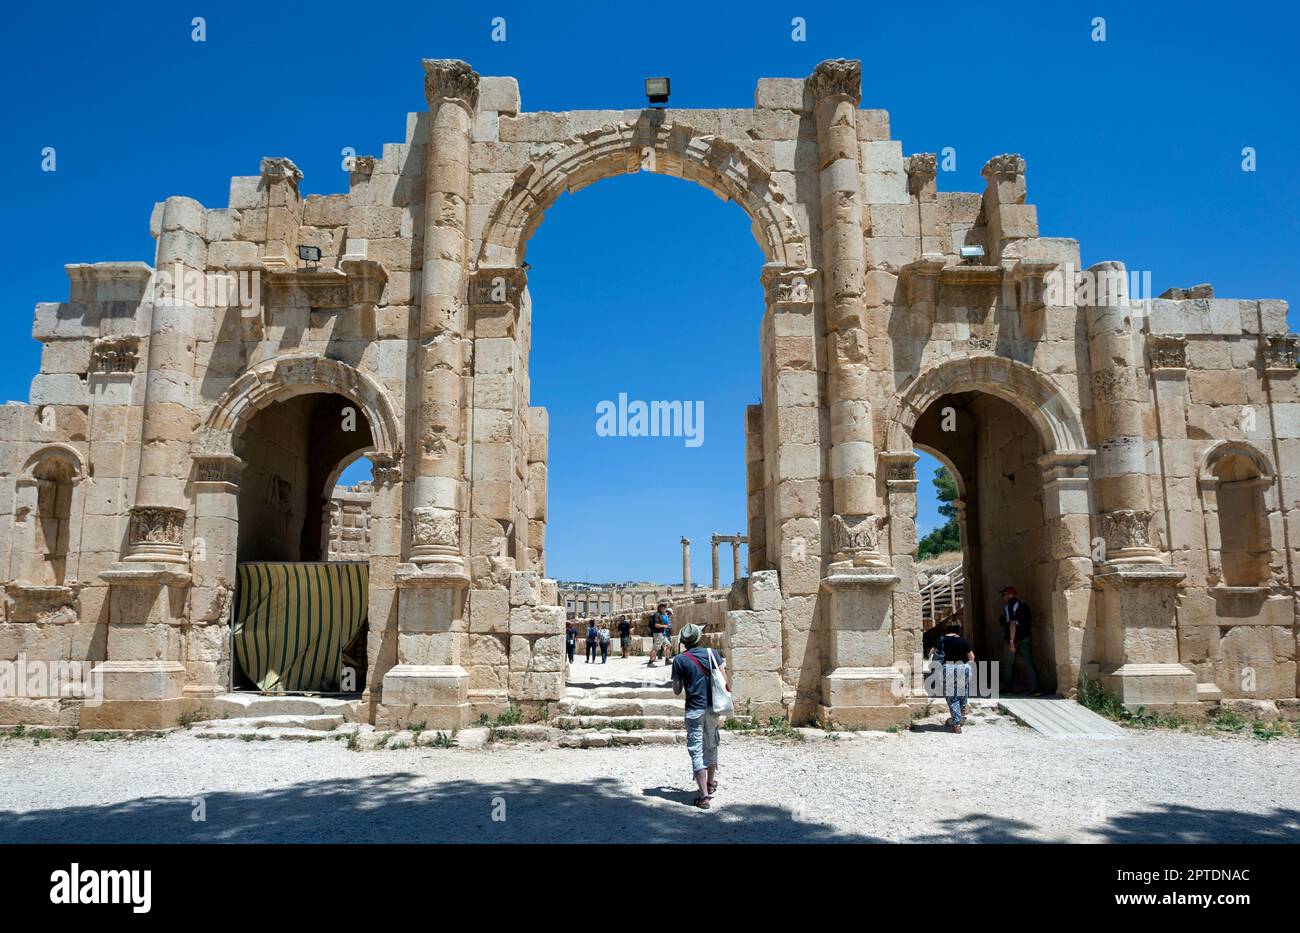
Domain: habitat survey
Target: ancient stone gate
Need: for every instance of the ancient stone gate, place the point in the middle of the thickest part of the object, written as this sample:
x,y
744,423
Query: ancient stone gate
x,y
1132,464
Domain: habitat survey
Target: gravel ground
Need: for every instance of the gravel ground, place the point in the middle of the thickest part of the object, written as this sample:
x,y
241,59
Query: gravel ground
x,y
998,782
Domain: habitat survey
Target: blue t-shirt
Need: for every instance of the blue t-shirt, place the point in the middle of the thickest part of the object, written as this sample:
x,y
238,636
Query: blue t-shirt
x,y
695,678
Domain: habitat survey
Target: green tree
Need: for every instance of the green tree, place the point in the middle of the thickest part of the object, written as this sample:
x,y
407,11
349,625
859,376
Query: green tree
x,y
947,537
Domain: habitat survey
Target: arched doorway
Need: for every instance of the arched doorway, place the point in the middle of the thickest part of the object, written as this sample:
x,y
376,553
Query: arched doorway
x,y
1015,445
265,462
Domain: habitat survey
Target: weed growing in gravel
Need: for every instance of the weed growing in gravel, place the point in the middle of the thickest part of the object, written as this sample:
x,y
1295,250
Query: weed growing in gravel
x,y
732,724
511,717
72,732
188,718
1094,697
18,731
443,740
354,741
38,735
1226,720
778,727
383,740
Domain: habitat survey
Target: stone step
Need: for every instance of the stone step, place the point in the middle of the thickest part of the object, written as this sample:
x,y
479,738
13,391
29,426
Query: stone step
x,y
326,723
249,734
607,739
607,706
620,693
607,723
242,705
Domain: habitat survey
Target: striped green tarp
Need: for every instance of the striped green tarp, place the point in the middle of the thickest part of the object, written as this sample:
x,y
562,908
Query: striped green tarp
x,y
295,621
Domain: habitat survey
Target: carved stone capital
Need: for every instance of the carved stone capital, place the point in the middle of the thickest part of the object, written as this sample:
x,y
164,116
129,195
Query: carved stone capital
x,y
116,354
1279,352
837,77
1167,351
789,286
386,470
1002,166
450,79
497,286
278,168
363,165
898,466
156,533
922,169
1126,529
857,536
218,470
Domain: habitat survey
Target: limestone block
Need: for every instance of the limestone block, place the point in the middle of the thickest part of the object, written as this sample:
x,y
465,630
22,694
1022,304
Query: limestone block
x,y
747,628
756,687
885,188
550,592
781,94
548,654
231,254
525,589
537,620
764,590
247,191
536,686
521,653
58,389
499,93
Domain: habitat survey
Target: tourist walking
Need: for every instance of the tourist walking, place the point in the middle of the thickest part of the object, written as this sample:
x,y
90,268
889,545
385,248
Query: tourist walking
x,y
668,635
693,673
956,656
593,636
1017,635
570,640
604,644
624,635
657,634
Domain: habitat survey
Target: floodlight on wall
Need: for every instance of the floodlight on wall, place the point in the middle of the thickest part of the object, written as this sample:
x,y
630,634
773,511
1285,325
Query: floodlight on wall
x,y
972,253
309,255
656,91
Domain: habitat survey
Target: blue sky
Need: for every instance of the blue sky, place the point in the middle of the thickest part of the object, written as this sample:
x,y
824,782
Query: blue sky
x,y
644,284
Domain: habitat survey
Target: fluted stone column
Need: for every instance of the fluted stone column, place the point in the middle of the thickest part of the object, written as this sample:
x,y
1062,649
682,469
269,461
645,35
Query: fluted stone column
x,y
864,688
429,684
1138,588
451,88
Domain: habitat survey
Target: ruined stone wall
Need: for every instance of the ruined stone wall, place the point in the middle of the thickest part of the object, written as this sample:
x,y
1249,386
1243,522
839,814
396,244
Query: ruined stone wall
x,y
348,532
419,312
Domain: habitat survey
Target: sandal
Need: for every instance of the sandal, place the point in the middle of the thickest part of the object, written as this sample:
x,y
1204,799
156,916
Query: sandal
x,y
702,802
713,788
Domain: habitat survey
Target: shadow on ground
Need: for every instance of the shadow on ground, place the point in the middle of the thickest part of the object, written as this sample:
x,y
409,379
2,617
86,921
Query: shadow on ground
x,y
1166,823
399,808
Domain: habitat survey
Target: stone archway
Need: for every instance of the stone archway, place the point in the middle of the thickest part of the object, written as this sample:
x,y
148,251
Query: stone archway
x,y
284,377
216,477
1064,594
650,144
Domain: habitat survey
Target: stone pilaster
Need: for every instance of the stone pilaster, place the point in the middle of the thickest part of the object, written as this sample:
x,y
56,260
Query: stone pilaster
x,y
1137,589
451,88
837,89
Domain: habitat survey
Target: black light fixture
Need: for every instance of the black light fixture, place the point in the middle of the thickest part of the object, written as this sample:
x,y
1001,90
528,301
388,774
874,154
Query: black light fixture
x,y
656,90
309,255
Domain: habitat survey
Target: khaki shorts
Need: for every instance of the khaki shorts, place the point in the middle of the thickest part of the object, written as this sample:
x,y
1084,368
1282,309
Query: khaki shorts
x,y
658,642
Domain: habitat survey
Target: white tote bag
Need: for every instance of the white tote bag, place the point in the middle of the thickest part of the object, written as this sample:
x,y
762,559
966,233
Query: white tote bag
x,y
722,702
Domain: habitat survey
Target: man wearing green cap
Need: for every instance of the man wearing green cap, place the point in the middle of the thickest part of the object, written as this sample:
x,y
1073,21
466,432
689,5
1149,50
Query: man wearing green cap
x,y
692,673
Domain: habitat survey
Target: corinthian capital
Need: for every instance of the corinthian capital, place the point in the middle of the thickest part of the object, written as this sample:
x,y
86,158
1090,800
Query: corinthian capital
x,y
450,79
837,77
